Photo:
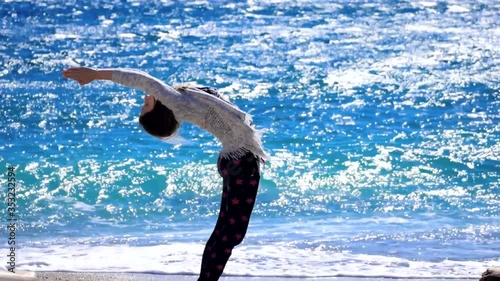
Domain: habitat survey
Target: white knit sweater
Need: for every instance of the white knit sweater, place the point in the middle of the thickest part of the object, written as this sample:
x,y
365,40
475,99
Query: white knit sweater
x,y
224,120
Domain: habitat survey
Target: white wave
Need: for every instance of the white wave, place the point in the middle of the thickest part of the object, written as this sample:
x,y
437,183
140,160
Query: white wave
x,y
80,206
264,260
458,9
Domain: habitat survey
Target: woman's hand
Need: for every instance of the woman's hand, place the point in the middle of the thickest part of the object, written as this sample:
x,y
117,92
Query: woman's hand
x,y
82,75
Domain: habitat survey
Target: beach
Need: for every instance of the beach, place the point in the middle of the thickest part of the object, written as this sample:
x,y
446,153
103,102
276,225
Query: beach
x,y
86,276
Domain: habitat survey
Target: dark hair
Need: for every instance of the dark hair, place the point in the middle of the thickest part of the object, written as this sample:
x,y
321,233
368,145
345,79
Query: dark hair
x,y
159,122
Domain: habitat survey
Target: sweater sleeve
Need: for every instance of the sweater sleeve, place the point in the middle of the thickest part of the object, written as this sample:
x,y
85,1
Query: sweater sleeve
x,y
152,86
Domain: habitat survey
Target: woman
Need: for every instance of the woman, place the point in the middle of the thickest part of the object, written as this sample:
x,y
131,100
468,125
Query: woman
x,y
164,109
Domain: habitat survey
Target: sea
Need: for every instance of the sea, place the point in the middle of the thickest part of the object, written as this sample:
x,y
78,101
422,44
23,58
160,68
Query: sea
x,y
381,119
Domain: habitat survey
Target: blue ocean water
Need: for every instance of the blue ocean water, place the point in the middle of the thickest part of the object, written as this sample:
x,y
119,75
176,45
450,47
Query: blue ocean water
x,y
382,123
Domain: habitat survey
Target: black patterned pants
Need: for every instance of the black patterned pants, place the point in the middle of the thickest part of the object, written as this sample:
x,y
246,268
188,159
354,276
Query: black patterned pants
x,y
240,184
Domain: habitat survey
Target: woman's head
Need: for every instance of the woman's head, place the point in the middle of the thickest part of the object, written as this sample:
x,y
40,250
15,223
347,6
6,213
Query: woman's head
x,y
157,119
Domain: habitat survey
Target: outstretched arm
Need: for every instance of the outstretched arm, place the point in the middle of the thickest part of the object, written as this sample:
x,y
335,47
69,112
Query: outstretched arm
x,y
128,77
85,75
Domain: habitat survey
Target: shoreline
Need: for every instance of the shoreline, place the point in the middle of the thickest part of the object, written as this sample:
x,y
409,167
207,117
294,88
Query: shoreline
x,y
104,276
